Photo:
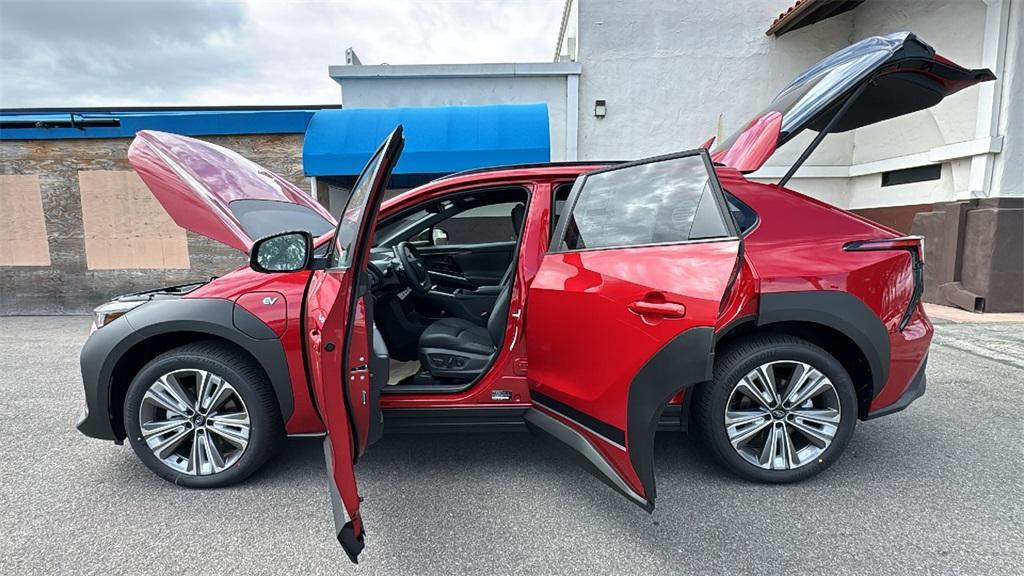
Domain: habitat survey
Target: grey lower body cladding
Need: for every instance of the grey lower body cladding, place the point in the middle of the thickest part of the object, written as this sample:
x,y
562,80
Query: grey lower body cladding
x,y
194,318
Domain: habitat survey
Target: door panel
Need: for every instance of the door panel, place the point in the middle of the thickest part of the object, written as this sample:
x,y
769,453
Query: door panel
x,y
594,358
479,264
485,264
622,311
338,342
325,321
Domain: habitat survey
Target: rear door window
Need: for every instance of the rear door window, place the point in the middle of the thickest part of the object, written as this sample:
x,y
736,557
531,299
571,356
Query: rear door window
x,y
664,200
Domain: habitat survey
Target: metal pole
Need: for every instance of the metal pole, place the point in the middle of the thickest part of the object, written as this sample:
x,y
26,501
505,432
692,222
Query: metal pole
x,y
824,132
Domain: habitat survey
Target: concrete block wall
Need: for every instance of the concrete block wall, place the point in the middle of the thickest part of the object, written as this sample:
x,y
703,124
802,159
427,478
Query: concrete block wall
x,y
68,285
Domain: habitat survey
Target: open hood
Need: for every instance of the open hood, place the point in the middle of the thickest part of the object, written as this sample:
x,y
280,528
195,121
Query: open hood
x,y
902,73
217,193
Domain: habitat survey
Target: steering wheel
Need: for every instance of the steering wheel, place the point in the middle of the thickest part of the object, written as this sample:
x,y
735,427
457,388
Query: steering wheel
x,y
415,269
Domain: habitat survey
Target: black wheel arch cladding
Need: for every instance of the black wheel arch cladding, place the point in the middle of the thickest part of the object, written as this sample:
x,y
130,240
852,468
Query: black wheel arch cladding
x,y
686,360
217,318
840,311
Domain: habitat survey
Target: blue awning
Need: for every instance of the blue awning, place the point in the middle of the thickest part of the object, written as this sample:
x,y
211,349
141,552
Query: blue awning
x,y
438,140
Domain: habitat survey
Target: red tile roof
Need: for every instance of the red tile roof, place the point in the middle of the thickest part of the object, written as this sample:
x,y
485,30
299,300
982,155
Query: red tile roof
x,y
806,12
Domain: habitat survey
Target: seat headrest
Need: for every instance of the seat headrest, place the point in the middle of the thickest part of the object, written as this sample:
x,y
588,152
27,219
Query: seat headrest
x,y
518,213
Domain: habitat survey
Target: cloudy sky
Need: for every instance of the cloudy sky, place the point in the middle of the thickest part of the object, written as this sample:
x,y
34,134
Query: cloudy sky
x,y
188,52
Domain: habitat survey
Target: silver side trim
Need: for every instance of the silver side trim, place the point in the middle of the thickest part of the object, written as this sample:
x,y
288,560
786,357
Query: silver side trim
x,y
579,443
608,440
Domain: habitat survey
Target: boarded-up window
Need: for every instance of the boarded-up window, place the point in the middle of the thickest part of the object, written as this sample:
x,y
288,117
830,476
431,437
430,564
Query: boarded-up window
x,y
125,227
22,228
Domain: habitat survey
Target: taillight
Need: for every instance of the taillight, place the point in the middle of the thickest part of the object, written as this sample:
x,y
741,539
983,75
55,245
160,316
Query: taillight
x,y
914,245
732,280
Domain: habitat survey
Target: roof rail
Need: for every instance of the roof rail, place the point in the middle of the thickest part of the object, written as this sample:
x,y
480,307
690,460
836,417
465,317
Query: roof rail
x,y
529,165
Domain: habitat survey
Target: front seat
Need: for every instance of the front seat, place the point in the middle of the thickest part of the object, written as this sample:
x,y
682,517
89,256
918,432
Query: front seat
x,y
459,349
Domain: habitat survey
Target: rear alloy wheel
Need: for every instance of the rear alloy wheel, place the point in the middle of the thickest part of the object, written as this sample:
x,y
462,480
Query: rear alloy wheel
x,y
782,415
202,416
779,410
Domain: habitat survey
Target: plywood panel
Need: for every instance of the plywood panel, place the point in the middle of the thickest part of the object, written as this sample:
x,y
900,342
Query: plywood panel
x,y
125,227
22,228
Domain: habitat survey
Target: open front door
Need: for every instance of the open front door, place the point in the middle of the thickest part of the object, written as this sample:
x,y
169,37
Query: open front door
x,y
338,341
621,315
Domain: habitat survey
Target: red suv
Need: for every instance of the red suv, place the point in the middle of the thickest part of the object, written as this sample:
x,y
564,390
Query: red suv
x,y
596,303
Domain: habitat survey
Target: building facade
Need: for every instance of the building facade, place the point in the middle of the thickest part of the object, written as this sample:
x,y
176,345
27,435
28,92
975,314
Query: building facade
x,y
671,74
665,75
627,80
78,226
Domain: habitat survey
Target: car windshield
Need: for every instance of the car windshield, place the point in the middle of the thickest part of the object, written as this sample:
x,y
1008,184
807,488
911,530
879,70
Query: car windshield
x,y
386,232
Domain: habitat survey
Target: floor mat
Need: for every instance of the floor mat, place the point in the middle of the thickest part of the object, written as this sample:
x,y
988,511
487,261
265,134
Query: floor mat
x,y
398,370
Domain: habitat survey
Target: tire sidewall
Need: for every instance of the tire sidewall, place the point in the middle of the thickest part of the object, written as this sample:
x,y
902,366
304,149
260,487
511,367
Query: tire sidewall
x,y
810,354
261,424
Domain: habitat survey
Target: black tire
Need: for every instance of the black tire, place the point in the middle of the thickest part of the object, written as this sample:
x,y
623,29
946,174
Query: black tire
x,y
266,433
736,361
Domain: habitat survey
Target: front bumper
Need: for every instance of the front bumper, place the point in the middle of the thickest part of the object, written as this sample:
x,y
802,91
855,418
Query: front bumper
x,y
913,392
96,364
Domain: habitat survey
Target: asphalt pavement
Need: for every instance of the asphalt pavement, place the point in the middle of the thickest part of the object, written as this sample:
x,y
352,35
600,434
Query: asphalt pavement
x,y
936,489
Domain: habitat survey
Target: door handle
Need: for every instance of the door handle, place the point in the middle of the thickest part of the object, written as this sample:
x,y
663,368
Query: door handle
x,y
663,309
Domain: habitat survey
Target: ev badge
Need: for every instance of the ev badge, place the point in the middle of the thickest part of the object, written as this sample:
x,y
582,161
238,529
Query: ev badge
x,y
269,301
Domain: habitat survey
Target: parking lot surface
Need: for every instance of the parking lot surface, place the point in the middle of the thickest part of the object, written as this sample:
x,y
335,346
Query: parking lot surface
x,y
936,489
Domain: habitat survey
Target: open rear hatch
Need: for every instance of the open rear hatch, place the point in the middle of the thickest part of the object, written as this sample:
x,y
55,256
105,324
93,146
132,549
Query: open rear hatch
x,y
876,79
219,194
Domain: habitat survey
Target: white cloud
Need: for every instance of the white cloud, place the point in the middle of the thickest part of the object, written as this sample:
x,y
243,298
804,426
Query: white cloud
x,y
187,52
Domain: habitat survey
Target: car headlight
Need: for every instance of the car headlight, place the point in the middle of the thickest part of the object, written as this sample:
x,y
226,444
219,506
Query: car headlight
x,y
113,310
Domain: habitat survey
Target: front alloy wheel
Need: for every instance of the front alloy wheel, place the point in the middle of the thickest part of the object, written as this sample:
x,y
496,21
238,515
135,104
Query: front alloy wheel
x,y
779,408
194,422
203,415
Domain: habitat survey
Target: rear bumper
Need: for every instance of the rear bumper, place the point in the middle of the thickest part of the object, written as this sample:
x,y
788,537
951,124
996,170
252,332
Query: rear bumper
x,y
913,392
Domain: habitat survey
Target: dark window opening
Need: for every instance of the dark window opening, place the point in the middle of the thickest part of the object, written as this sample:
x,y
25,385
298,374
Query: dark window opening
x,y
744,215
260,218
558,200
469,218
910,175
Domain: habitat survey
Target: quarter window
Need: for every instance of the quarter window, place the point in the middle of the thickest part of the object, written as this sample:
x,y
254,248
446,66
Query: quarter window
x,y
658,202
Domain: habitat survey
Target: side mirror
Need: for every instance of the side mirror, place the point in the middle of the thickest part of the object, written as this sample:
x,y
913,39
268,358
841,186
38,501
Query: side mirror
x,y
438,237
284,252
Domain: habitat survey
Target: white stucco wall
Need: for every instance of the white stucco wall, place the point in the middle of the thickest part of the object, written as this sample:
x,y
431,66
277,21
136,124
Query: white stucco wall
x,y
669,70
955,29
463,89
1008,171
676,72
568,47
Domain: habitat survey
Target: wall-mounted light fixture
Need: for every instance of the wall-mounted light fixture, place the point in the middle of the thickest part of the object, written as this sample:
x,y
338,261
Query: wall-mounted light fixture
x,y
600,108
